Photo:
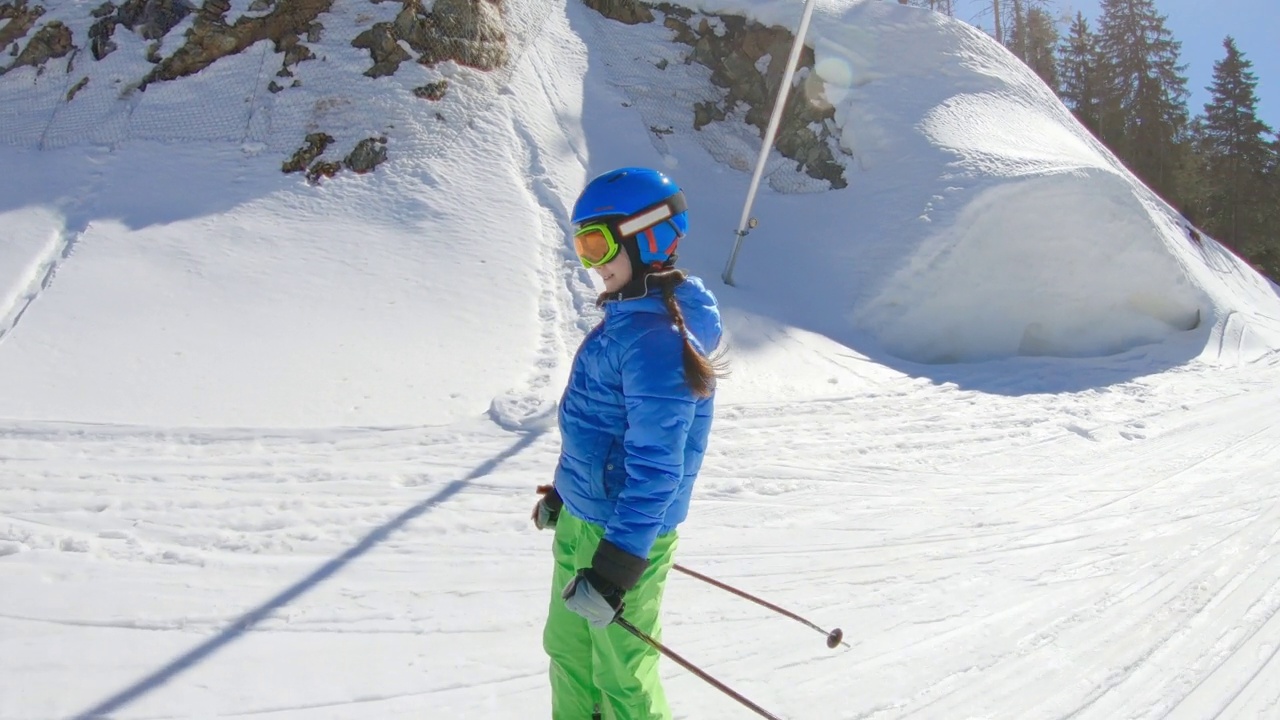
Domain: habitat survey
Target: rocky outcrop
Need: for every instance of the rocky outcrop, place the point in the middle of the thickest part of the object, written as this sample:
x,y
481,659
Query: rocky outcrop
x,y
211,38
367,155
317,143
745,58
21,19
384,47
81,84
734,48
51,41
432,91
631,12
152,19
322,168
468,32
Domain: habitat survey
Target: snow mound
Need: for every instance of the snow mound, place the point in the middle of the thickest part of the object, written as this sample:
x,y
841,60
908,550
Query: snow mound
x,y
982,221
998,284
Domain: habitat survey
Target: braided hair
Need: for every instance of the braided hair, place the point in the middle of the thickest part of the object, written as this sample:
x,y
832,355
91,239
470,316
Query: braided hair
x,y
700,372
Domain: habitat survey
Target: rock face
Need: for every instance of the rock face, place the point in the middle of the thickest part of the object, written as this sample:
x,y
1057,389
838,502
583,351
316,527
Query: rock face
x,y
383,45
53,40
20,19
211,38
745,58
468,32
631,12
432,91
317,143
733,51
367,155
152,19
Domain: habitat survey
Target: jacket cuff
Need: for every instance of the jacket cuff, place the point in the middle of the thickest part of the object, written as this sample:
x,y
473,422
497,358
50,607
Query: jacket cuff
x,y
617,565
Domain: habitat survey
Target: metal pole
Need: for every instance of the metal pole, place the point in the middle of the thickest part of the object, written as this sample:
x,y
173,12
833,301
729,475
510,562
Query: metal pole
x,y
651,642
834,637
769,134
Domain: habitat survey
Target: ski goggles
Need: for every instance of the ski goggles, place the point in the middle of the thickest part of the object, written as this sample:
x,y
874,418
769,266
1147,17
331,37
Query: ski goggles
x,y
597,243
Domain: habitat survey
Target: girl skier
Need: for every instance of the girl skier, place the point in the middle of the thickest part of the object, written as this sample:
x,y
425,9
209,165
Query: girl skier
x,y
634,421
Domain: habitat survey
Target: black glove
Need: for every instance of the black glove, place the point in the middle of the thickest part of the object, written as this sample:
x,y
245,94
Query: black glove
x,y
596,592
594,598
547,511
616,567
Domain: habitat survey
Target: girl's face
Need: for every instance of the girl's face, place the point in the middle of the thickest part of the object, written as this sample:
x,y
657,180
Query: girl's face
x,y
617,272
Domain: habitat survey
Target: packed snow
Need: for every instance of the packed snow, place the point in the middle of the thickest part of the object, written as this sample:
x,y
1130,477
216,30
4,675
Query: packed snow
x,y
268,448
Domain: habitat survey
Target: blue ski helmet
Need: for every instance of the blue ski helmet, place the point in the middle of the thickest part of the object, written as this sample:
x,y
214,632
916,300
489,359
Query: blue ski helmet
x,y
645,207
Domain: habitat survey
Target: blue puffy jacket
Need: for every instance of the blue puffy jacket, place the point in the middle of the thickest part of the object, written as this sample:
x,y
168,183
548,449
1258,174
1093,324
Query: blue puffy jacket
x,y
632,432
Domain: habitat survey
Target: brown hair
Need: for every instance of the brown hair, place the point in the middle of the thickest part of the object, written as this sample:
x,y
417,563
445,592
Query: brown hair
x,y
700,372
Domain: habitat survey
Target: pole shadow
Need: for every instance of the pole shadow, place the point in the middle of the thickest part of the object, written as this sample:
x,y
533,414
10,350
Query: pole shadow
x,y
247,621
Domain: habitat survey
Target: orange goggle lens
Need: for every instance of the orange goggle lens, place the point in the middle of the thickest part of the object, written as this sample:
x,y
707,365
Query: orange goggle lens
x,y
595,245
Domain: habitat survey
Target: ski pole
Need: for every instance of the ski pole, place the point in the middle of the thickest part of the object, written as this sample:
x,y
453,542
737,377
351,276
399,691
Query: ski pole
x,y
834,637
626,625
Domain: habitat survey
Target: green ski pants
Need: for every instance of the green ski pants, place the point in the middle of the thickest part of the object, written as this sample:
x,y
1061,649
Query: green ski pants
x,y
606,668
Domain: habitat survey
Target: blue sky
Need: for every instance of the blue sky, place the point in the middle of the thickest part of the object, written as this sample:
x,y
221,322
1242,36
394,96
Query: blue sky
x,y
1201,27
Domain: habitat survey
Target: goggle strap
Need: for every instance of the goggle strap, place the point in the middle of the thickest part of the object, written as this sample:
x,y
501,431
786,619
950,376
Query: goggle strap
x,y
653,244
672,247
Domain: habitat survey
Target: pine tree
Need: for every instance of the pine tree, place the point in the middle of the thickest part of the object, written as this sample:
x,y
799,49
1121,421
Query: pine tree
x,y
1193,184
1144,111
1080,74
1269,253
1041,42
1033,37
1238,158
1016,32
942,6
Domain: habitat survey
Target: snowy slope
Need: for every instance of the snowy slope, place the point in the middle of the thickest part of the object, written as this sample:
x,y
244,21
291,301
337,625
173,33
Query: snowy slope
x,y
267,448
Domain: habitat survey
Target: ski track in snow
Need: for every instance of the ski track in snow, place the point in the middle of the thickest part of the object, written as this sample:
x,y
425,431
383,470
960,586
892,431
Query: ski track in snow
x,y
38,279
562,300
566,298
967,582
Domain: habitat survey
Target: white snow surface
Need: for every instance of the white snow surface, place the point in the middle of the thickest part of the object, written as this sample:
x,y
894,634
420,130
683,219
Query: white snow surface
x,y
268,448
